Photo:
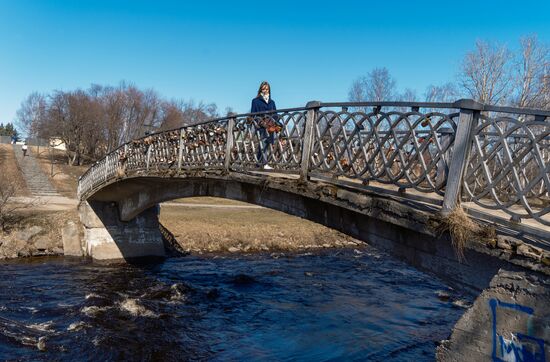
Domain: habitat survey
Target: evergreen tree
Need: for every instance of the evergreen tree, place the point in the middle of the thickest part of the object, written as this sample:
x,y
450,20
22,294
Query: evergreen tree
x,y
8,130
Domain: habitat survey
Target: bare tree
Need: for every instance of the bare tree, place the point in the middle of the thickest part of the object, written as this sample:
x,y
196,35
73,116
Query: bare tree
x,y
409,95
485,74
171,114
181,113
531,68
113,102
443,93
378,85
9,187
229,112
32,112
141,111
95,121
201,112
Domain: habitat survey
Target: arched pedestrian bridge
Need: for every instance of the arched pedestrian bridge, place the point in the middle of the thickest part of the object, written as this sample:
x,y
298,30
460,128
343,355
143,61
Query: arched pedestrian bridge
x,y
398,162
375,170
425,156
378,171
428,156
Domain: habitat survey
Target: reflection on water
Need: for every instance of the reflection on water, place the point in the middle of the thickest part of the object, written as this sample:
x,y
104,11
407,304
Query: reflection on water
x,y
334,304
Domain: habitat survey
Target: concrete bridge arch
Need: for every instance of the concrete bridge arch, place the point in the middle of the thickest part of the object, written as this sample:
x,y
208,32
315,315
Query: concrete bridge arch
x,y
121,219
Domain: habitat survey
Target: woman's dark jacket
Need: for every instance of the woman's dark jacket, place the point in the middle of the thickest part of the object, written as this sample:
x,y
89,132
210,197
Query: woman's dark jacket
x,y
259,105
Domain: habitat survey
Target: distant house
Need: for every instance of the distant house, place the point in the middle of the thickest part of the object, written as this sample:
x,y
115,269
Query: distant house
x,y
57,143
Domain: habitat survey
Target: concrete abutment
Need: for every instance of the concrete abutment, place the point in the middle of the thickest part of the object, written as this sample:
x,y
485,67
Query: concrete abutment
x,y
106,237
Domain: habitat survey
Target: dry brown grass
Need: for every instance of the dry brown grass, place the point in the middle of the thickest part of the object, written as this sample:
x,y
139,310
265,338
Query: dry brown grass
x,y
199,229
9,169
463,230
11,185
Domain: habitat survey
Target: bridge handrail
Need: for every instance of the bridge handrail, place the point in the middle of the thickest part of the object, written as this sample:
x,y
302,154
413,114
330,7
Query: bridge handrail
x,y
499,157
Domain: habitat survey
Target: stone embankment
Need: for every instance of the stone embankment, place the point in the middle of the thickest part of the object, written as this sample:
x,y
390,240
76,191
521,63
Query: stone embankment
x,y
29,242
40,234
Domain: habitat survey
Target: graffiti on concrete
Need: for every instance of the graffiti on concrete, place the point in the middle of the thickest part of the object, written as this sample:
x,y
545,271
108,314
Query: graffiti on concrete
x,y
518,344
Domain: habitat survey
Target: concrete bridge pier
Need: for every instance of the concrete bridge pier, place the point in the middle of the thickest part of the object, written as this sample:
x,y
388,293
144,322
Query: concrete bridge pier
x,y
108,238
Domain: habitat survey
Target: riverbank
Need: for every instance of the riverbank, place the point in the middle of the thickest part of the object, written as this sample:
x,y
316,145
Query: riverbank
x,y
199,225
35,233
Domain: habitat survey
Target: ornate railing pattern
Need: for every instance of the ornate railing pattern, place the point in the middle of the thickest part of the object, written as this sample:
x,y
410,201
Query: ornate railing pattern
x,y
284,154
509,166
409,149
497,157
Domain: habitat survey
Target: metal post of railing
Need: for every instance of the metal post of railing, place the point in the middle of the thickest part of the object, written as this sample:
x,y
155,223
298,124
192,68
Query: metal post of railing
x,y
229,143
79,187
104,165
125,164
307,145
148,158
442,171
469,116
180,149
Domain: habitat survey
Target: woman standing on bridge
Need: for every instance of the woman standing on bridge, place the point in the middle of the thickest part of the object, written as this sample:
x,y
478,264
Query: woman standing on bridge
x,y
267,125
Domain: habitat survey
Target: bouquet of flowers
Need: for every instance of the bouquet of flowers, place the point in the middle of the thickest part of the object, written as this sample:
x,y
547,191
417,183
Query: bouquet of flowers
x,y
270,125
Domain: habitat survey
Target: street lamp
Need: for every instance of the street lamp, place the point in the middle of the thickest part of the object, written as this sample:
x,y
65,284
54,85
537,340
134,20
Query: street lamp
x,y
51,144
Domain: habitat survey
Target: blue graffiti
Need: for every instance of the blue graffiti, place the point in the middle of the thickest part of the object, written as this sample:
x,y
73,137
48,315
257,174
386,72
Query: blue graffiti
x,y
522,347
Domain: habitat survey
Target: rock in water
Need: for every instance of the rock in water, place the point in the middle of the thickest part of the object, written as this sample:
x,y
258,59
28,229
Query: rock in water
x,y
41,345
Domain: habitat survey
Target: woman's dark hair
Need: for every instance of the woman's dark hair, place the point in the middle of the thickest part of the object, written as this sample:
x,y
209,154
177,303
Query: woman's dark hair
x,y
262,85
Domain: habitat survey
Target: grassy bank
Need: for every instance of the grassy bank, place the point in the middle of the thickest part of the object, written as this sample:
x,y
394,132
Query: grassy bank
x,y
226,229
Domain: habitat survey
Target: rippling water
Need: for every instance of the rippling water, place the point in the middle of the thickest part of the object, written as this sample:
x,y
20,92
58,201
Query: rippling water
x,y
332,305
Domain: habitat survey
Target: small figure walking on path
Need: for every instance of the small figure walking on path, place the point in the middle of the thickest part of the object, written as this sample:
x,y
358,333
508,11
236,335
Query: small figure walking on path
x,y
24,148
268,124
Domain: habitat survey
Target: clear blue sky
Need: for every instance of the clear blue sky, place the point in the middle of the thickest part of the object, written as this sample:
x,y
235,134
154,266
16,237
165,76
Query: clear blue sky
x,y
220,51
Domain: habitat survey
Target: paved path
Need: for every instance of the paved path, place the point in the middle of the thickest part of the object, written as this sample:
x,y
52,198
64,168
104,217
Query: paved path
x,y
37,182
46,202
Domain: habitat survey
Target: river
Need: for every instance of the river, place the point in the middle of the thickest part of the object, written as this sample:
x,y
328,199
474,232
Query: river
x,y
330,305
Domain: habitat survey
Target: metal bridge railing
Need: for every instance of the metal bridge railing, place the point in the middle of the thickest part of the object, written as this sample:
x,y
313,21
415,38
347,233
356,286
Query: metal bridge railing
x,y
496,157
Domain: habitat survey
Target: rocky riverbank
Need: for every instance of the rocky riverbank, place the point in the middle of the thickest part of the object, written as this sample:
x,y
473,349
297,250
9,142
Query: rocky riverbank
x,y
35,234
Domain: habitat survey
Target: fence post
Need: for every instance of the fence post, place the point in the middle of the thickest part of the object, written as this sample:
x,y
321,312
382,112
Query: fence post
x,y
180,150
311,116
469,116
229,143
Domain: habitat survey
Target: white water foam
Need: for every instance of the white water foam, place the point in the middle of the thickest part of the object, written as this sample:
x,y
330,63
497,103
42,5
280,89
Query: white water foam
x,y
131,306
76,326
93,310
43,327
92,295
